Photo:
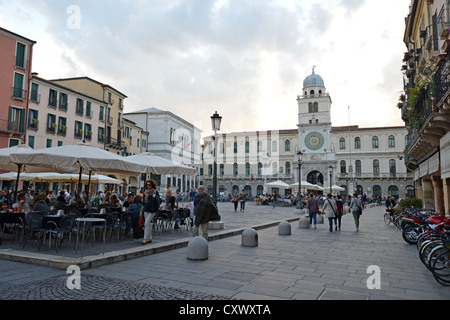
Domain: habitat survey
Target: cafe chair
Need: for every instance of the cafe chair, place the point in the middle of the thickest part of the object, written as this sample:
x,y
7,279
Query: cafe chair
x,y
33,227
58,232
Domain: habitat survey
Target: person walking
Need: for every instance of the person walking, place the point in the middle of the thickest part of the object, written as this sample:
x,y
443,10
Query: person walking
x,y
150,208
274,199
329,209
313,209
356,208
203,210
339,212
242,199
235,199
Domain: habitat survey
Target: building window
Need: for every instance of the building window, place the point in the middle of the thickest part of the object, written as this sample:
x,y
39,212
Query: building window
x,y
52,98
80,107
20,55
78,133
410,192
222,148
391,141
235,169
260,166
376,191
18,91
247,169
342,143
259,190
393,191
375,142
62,126
51,123
34,96
101,134
33,121
210,169
63,101
221,169
87,131
16,120
88,109
31,141
287,145
259,146
101,115
247,147
288,168
357,143
358,166
13,142
343,166
49,143
235,147
376,167
392,167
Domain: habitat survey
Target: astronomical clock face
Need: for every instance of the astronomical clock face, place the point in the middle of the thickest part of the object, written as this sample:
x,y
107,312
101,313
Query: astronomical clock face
x,y
314,141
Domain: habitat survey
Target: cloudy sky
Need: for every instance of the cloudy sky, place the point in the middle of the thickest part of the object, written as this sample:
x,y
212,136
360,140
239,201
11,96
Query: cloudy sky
x,y
246,59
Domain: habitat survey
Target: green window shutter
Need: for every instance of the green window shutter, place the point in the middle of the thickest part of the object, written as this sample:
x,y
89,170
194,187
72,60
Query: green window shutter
x,y
20,55
10,116
21,120
18,85
31,141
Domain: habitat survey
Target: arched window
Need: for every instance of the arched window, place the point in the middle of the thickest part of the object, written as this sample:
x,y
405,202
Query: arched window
x,y
259,146
310,107
260,166
311,92
393,191
288,168
247,147
376,190
235,147
247,169
391,142
316,107
343,166
357,143
248,190
259,190
235,169
342,143
375,142
392,167
410,191
376,167
221,169
287,145
358,166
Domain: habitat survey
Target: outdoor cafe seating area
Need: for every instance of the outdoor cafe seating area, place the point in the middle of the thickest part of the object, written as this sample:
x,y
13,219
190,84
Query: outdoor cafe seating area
x,y
60,229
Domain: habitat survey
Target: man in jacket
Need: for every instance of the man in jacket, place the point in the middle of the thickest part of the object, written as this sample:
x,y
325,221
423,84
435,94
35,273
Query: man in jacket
x,y
203,209
313,209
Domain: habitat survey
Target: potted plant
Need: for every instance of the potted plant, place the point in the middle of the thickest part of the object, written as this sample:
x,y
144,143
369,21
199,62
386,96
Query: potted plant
x,y
35,122
53,125
63,128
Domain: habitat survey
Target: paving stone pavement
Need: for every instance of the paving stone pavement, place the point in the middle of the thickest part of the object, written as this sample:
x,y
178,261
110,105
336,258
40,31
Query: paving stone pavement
x,y
309,264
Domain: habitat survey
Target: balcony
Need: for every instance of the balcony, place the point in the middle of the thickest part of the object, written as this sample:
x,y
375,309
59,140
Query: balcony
x,y
114,143
444,23
374,176
428,117
14,127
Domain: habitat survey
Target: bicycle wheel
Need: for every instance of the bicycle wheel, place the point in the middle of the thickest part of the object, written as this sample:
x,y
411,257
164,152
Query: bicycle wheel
x,y
441,268
436,251
387,218
423,237
398,221
426,250
410,234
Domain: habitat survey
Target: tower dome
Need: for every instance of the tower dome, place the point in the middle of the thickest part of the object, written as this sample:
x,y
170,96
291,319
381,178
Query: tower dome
x,y
313,80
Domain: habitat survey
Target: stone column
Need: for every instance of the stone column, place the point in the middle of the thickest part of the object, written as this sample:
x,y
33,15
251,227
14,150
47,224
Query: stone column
x,y
427,190
446,187
438,195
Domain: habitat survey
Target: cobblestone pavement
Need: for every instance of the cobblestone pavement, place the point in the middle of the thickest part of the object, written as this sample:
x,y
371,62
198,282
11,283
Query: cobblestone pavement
x,y
98,288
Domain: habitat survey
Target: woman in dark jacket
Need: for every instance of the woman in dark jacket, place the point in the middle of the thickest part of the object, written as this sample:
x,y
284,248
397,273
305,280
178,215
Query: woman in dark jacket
x,y
151,206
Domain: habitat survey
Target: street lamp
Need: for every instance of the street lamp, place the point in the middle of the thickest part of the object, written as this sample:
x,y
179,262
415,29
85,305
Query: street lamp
x,y
300,158
215,122
331,174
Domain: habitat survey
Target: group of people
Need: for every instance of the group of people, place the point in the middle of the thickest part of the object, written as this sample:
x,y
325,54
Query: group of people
x,y
333,210
239,198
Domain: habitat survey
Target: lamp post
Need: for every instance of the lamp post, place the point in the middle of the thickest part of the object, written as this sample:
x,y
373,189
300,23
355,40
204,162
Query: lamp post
x,y
300,158
215,122
331,175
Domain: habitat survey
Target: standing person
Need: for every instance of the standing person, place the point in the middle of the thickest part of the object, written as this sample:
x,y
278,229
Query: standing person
x,y
151,206
329,209
243,198
313,208
339,212
203,209
274,199
235,199
356,206
168,193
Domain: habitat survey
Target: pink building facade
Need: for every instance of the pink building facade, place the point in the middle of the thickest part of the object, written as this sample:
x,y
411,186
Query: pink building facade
x,y
16,55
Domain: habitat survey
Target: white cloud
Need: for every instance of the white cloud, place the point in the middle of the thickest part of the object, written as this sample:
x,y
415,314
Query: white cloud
x,y
244,58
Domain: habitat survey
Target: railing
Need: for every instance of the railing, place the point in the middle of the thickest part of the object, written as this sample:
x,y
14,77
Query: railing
x,y
389,175
18,93
115,143
312,96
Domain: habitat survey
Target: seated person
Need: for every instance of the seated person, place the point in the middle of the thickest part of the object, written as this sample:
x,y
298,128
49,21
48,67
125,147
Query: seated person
x,y
40,203
135,209
115,201
5,198
79,200
22,205
390,204
129,201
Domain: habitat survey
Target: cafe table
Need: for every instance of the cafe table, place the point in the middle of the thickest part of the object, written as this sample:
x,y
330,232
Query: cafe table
x,y
83,221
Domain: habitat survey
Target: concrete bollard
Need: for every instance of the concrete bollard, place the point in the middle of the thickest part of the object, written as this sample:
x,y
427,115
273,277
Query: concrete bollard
x,y
197,249
249,238
284,228
303,223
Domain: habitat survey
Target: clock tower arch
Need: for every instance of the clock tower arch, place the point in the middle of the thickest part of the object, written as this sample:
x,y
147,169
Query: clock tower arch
x,y
314,129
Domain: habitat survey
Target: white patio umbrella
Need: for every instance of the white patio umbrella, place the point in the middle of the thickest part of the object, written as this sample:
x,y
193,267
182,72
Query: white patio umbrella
x,y
305,185
277,184
334,188
78,158
158,165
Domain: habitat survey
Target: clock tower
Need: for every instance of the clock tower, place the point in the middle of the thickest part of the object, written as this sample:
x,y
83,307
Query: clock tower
x,y
314,132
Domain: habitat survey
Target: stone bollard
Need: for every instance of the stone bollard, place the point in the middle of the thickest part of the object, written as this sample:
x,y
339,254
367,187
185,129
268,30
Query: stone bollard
x,y
284,228
197,249
249,238
303,223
